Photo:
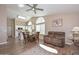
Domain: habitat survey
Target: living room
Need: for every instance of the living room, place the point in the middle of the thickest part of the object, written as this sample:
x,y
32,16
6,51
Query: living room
x,y
54,22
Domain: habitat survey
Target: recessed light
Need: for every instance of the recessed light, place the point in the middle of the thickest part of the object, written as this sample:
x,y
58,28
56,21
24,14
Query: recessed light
x,y
21,5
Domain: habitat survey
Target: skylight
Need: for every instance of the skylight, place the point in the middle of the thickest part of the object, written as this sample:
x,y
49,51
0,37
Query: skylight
x,y
21,5
21,17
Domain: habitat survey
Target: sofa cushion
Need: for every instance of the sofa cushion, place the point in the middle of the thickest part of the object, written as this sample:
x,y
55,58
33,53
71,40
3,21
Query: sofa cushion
x,y
51,34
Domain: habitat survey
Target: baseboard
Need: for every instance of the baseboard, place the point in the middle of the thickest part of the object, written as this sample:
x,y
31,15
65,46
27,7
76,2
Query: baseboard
x,y
3,43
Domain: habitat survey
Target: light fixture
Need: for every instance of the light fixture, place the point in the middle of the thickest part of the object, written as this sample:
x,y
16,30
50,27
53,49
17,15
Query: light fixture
x,y
21,5
21,17
33,9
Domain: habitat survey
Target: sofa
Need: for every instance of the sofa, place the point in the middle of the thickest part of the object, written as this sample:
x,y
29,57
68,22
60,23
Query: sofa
x,y
55,38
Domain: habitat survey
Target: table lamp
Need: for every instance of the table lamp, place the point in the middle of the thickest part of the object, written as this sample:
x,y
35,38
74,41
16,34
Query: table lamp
x,y
75,33
75,30
76,36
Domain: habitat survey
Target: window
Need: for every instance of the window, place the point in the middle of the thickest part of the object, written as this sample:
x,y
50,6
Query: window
x,y
29,27
40,25
26,27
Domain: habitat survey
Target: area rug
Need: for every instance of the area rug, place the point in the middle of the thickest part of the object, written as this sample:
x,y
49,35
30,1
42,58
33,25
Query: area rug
x,y
36,50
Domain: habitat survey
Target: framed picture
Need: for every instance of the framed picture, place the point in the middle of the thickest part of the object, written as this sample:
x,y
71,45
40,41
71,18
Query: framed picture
x,y
57,22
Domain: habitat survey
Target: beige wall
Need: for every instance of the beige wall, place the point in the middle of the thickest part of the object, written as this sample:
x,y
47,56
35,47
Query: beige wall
x,y
11,27
69,21
3,24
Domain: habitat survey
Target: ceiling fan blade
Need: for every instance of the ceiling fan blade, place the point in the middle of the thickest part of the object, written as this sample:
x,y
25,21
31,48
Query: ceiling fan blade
x,y
34,5
35,11
28,9
39,9
28,5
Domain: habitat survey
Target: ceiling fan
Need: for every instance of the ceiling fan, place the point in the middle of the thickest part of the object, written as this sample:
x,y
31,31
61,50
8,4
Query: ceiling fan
x,y
33,8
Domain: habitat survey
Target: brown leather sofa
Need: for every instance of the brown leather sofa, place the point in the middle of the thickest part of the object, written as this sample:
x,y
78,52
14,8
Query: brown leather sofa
x,y
55,38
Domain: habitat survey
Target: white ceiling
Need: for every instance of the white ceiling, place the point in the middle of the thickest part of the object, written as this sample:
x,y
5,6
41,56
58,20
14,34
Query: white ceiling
x,y
14,10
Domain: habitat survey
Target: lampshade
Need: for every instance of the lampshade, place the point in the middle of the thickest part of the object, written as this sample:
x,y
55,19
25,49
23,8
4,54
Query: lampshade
x,y
75,29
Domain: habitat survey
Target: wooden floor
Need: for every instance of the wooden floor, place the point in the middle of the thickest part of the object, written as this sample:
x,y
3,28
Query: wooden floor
x,y
14,47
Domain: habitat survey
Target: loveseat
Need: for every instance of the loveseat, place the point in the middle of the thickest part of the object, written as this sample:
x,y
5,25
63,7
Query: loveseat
x,y
55,38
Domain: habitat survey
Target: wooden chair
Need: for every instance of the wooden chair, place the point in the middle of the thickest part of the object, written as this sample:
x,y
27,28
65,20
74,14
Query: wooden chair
x,y
34,37
26,37
37,36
